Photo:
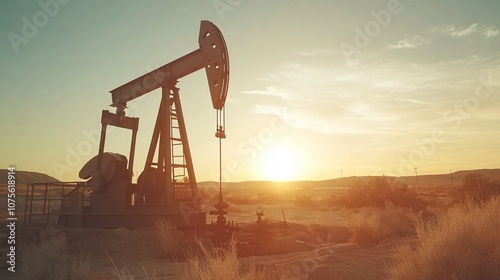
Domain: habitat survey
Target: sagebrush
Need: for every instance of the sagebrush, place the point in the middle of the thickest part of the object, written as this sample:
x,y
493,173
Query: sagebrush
x,y
477,188
169,238
369,226
53,258
221,263
377,192
461,244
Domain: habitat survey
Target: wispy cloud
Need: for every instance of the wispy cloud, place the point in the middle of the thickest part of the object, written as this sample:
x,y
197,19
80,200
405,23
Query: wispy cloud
x,y
491,32
411,43
380,97
415,101
333,99
453,31
319,51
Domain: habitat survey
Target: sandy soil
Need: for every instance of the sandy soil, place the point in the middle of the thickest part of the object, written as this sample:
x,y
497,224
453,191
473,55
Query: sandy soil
x,y
315,245
136,251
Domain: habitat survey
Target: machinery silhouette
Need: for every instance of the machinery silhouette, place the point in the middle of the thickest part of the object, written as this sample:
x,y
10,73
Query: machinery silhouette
x,y
167,186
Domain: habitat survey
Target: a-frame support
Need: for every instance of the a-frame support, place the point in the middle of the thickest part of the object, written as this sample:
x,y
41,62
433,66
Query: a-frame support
x,y
171,178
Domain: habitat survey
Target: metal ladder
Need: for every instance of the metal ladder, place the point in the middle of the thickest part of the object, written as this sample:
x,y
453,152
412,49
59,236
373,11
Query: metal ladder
x,y
180,180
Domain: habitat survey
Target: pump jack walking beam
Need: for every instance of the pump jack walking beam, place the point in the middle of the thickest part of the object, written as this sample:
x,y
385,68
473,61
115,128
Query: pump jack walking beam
x,y
211,55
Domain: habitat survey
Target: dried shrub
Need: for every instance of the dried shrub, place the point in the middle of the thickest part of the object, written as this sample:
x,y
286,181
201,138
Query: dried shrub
x,y
221,263
169,238
461,244
376,193
53,258
478,188
369,226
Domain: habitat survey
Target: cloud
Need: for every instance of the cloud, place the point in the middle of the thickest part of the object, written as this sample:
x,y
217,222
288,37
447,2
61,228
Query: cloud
x,y
315,52
415,101
335,99
453,31
377,97
490,32
411,43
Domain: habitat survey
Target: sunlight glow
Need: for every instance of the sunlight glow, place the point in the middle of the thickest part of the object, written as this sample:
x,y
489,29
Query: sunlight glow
x,y
281,164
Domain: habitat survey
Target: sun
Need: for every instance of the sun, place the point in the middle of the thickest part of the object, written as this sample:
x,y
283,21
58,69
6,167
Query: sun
x,y
281,163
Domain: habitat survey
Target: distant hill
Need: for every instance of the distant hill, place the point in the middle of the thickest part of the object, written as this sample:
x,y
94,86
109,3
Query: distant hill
x,y
427,180
445,179
26,177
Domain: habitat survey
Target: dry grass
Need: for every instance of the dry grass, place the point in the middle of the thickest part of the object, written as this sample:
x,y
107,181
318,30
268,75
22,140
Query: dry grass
x,y
124,273
369,226
477,188
221,263
376,193
169,238
365,227
52,258
462,244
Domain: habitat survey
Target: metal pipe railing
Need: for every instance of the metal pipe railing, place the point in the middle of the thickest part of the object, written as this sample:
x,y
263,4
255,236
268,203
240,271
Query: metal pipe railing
x,y
54,193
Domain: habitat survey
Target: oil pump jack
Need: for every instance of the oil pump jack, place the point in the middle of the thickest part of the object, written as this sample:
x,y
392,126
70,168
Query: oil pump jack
x,y
167,186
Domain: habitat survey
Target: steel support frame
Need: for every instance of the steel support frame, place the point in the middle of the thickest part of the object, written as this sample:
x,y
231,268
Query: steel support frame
x,y
118,120
161,141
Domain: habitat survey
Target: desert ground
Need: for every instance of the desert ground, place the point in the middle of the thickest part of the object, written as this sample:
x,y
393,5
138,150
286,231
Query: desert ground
x,y
353,232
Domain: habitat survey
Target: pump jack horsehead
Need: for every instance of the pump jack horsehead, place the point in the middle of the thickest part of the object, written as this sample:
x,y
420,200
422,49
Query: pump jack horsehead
x,y
162,188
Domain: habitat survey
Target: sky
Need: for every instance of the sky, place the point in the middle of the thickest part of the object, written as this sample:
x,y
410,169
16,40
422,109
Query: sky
x,y
318,89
